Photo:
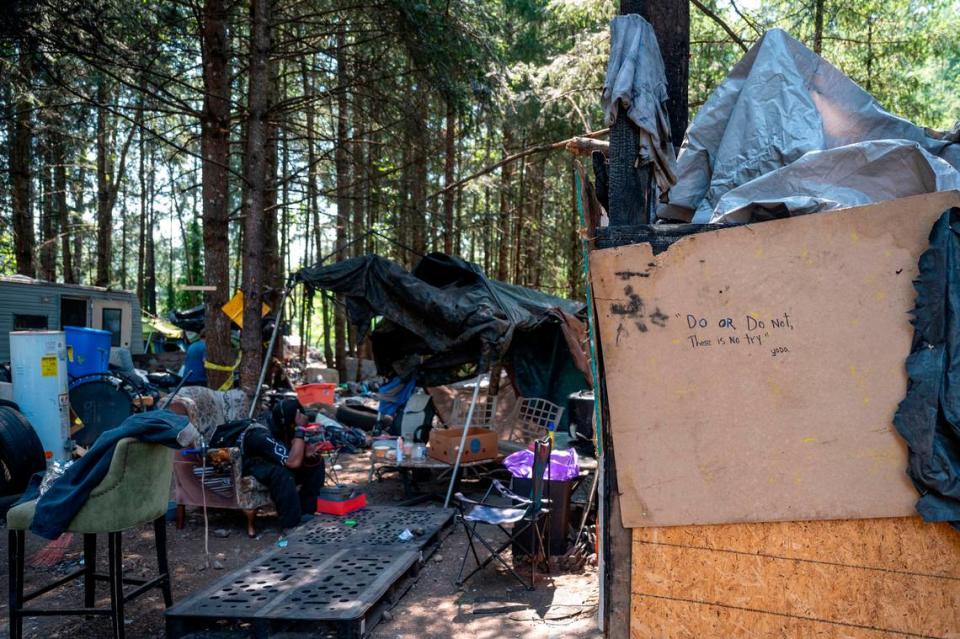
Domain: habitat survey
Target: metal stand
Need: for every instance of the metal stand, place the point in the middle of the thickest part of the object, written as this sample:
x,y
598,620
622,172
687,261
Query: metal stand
x,y
269,355
463,440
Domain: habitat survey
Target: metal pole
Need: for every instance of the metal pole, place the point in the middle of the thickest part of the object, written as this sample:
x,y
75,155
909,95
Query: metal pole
x,y
463,440
269,355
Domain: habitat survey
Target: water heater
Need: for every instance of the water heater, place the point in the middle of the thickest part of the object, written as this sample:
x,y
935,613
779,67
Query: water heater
x,y
38,361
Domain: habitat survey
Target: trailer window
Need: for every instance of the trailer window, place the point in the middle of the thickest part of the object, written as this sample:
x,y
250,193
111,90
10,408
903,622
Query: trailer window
x,y
29,322
113,321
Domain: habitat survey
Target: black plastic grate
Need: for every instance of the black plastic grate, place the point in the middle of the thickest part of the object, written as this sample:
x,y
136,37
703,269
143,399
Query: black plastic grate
x,y
331,578
375,527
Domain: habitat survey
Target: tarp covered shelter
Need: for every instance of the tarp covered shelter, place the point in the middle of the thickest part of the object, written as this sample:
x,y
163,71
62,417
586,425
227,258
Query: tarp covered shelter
x,y
446,321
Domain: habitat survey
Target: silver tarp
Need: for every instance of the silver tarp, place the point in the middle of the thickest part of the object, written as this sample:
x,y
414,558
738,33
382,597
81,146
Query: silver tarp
x,y
787,133
636,80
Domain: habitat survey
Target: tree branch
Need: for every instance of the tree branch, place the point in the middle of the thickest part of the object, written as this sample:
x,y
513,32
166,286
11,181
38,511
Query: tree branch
x,y
540,148
723,25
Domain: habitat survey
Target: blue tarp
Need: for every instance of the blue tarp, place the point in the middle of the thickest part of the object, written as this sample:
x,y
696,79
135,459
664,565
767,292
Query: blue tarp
x,y
929,417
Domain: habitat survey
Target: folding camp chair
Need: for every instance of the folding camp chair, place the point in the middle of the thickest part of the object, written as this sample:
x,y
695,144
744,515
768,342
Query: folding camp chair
x,y
516,521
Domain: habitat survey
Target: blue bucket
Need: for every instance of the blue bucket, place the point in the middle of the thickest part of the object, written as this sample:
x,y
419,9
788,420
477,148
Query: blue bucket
x,y
88,351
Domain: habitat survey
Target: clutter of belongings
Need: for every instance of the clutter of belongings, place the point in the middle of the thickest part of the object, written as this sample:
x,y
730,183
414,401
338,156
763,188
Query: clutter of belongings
x,y
446,321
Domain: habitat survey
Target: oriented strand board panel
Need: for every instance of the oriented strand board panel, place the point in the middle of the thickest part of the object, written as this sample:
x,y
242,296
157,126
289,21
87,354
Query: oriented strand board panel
x,y
863,579
753,373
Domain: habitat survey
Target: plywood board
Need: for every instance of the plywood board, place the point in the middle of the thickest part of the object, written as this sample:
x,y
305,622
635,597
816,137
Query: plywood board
x,y
868,579
753,373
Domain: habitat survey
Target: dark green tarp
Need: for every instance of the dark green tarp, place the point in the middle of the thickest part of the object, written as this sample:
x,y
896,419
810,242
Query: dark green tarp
x,y
446,321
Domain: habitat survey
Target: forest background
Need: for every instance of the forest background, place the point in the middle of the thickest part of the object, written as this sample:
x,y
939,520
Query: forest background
x,y
155,144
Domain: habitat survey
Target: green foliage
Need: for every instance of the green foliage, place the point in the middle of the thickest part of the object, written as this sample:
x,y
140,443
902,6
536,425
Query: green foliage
x,y
903,52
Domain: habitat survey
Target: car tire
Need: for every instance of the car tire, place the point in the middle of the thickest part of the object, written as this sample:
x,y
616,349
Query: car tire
x,y
21,453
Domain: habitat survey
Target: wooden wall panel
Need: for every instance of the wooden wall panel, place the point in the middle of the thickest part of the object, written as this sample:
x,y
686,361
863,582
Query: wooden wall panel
x,y
675,619
866,579
753,373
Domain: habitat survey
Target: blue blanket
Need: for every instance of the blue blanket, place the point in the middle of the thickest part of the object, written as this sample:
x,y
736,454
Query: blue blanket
x,y
67,495
929,416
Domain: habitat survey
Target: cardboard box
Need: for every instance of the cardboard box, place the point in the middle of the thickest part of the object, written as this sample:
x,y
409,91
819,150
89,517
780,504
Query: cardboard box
x,y
481,444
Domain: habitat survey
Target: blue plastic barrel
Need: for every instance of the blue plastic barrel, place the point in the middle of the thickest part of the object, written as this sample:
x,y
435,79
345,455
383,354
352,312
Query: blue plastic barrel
x,y
88,350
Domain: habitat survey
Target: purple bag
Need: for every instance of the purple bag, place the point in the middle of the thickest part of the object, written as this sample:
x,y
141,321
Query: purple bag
x,y
563,465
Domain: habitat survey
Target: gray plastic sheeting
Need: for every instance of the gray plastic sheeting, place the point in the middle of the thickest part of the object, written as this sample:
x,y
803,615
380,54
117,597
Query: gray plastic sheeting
x,y
787,133
636,80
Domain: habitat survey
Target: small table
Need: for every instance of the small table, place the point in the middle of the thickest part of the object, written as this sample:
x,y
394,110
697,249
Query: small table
x,y
442,469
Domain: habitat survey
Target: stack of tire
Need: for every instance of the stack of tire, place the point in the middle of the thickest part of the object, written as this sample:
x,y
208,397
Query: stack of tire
x,y
21,454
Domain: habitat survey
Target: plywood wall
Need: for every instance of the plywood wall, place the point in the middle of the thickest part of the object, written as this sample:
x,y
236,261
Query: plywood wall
x,y
862,579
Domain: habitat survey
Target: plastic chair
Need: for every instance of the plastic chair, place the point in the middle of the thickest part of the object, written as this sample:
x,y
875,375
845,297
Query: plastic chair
x,y
513,521
484,414
135,491
530,420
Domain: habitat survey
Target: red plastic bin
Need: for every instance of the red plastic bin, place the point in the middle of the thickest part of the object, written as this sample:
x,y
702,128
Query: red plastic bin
x,y
333,504
316,393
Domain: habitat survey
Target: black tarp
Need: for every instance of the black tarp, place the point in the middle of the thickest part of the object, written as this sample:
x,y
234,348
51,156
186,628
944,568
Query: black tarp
x,y
446,321
191,319
929,417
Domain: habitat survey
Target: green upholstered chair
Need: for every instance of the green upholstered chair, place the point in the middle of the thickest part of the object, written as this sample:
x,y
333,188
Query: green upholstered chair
x,y
136,490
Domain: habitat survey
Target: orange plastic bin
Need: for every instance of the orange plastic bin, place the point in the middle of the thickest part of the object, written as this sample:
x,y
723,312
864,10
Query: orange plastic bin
x,y
316,393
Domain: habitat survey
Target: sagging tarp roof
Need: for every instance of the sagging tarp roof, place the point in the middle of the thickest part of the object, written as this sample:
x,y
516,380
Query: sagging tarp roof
x,y
446,321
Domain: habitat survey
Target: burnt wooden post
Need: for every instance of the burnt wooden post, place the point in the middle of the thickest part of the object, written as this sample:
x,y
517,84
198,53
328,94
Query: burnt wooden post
x,y
671,22
629,191
632,202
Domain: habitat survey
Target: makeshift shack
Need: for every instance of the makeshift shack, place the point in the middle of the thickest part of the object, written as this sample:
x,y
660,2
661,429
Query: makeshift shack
x,y
445,321
753,373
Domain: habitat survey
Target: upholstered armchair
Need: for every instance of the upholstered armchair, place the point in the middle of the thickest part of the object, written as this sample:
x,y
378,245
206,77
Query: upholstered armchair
x,y
220,481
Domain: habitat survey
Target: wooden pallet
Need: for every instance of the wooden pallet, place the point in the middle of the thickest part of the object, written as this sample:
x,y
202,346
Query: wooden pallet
x,y
331,580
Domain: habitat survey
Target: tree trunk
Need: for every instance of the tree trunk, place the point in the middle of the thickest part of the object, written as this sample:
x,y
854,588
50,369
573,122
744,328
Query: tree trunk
x,y
520,221
503,224
142,239
818,26
421,159
573,266
60,206
535,224
79,206
21,152
48,242
313,205
255,175
109,177
123,245
342,163
374,153
458,221
104,212
449,169
272,269
359,190
150,259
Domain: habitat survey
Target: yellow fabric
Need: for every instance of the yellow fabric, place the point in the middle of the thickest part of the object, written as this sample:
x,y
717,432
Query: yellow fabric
x,y
234,309
228,384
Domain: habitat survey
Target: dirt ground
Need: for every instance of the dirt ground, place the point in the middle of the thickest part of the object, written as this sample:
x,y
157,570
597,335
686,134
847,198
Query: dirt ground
x,y
491,605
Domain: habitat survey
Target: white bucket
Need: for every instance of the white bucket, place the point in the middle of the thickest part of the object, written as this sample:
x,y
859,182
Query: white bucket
x,y
38,361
